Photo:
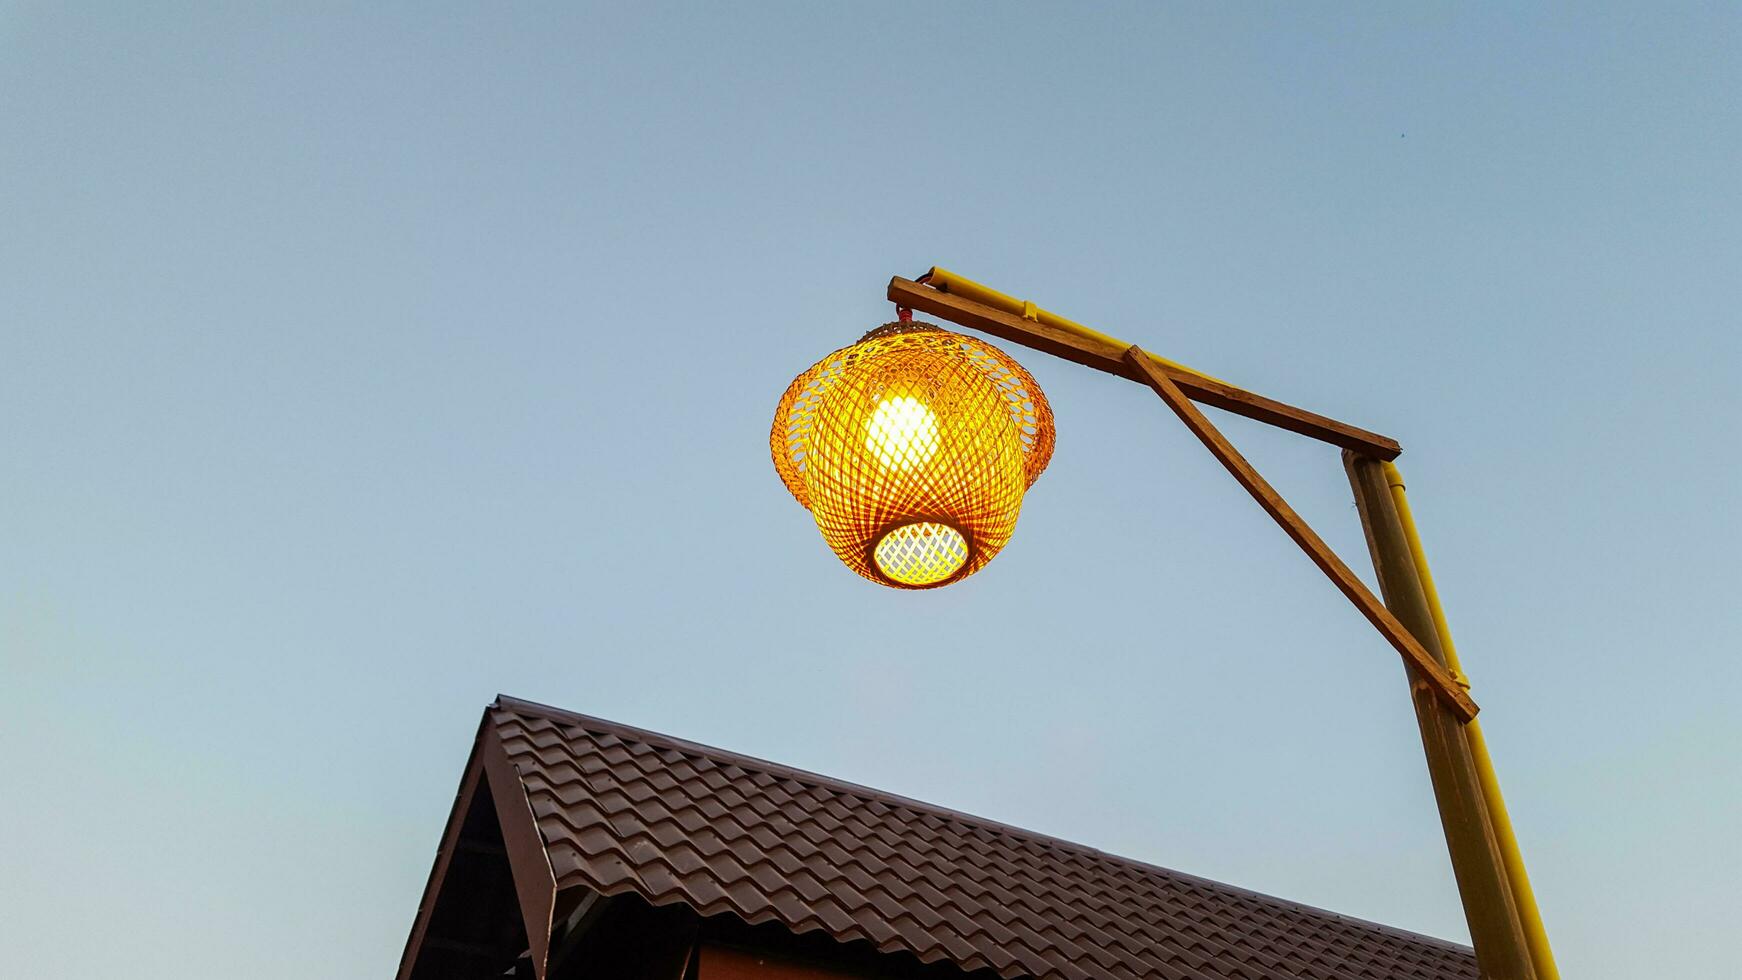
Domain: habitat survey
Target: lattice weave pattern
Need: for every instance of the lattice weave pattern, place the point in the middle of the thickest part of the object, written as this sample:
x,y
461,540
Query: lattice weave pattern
x,y
912,449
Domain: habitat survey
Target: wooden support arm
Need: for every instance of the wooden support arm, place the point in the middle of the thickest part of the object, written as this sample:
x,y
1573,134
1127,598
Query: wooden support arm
x,y
1106,355
1444,685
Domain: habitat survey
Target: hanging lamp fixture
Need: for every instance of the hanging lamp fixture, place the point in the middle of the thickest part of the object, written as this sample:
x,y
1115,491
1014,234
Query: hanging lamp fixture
x,y
912,449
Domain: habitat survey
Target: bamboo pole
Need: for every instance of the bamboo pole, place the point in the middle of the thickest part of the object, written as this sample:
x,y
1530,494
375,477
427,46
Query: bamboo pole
x,y
1541,954
1502,952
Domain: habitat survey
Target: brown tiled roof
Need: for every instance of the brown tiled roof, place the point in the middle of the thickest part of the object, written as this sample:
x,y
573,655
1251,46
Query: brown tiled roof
x,y
621,810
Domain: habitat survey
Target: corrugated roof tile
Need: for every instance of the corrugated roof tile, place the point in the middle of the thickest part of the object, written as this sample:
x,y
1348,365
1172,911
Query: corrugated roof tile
x,y
622,809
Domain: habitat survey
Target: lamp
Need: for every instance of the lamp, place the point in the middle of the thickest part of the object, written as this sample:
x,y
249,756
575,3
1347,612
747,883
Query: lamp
x,y
912,449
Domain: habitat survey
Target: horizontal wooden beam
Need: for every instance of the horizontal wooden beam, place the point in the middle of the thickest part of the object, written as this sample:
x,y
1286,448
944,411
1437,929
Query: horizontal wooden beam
x,y
1110,357
1456,698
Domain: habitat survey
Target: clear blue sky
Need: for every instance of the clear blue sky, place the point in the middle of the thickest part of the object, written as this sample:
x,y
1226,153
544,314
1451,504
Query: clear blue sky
x,y
357,366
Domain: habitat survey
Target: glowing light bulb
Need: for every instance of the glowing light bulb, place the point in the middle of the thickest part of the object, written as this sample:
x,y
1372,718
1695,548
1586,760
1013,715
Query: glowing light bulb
x,y
902,433
922,553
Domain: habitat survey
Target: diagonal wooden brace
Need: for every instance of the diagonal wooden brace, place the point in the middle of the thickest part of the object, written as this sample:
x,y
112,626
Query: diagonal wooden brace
x,y
1437,677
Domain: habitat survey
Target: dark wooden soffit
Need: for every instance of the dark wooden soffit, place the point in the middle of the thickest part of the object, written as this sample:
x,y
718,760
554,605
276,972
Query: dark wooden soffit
x,y
533,880
1110,357
491,771
451,845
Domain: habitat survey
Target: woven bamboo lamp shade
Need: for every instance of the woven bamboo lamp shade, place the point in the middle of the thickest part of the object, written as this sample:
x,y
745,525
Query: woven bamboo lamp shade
x,y
912,449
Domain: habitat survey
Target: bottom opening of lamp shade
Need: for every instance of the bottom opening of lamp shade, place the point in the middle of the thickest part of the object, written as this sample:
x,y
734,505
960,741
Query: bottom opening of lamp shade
x,y
919,554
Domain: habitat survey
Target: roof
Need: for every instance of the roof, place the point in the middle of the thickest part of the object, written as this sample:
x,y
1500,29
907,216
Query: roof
x,y
620,810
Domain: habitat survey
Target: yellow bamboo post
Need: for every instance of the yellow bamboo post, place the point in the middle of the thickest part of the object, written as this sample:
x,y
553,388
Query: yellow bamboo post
x,y
1541,955
1495,930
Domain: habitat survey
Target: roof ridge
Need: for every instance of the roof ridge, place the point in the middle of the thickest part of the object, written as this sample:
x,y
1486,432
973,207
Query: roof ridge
x,y
872,794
